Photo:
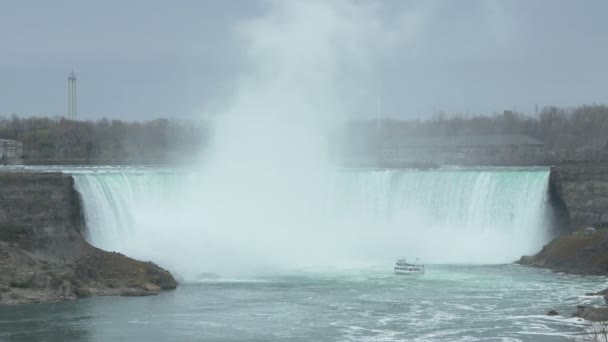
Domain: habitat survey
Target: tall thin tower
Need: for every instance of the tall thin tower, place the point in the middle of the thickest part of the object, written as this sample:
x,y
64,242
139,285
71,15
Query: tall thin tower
x,y
72,96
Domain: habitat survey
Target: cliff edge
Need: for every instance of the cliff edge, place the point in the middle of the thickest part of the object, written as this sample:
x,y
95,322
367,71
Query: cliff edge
x,y
579,195
580,192
43,255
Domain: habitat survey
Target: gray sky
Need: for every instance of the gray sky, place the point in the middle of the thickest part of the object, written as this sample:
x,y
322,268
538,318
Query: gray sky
x,y
141,60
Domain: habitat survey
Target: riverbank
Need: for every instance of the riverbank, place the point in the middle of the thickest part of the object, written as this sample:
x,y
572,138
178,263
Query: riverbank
x,y
579,198
576,253
581,254
43,255
578,193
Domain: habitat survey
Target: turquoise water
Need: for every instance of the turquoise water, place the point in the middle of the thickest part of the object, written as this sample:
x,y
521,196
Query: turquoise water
x,y
349,217
311,259
449,303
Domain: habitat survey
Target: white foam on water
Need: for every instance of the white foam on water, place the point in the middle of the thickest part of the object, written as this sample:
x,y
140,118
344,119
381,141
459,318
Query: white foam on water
x,y
363,217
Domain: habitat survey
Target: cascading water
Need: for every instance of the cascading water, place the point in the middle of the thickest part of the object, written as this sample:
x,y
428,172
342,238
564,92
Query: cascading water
x,y
444,216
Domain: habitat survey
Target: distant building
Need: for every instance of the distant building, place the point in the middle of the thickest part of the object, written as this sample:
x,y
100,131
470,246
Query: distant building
x,y
10,151
589,231
404,150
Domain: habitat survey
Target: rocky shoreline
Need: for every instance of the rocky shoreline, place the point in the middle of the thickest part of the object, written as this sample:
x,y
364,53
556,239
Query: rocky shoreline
x,y
29,278
579,254
579,197
45,258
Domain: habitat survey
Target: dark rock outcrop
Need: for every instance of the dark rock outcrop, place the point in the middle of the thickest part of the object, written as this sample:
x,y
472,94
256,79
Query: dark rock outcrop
x,y
579,196
43,256
574,254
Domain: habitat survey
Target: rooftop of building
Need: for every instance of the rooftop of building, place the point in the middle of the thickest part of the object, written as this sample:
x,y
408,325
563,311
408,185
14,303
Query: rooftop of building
x,y
459,140
10,142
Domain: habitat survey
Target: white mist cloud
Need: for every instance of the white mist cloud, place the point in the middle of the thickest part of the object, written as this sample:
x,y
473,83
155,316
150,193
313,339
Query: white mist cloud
x,y
267,196
267,178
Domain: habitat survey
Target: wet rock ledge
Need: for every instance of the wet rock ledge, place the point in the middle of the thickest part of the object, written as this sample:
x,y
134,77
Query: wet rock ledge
x,y
43,255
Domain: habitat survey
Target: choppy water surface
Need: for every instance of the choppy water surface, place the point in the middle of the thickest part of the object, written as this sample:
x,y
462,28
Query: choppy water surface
x,y
449,303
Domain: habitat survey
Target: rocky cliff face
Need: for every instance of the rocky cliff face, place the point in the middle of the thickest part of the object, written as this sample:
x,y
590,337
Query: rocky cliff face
x,y
43,256
40,212
580,192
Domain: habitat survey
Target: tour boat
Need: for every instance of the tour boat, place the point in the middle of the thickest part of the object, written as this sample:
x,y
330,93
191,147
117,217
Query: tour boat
x,y
402,267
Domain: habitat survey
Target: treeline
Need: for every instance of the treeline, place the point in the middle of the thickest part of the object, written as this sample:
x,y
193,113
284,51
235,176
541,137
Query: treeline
x,y
579,133
104,141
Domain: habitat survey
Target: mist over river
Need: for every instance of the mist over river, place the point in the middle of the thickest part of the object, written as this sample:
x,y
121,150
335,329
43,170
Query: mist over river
x,y
243,224
254,228
321,268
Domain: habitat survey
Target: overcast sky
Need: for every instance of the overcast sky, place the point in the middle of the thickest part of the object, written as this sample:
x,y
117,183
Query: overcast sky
x,y
141,60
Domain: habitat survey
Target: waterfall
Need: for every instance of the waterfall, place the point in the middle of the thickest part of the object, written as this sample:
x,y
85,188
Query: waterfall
x,y
442,216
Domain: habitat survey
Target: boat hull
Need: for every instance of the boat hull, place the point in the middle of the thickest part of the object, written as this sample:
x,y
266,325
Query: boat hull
x,y
402,267
409,272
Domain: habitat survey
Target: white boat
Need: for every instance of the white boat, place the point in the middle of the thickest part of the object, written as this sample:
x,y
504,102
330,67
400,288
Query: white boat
x,y
402,267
